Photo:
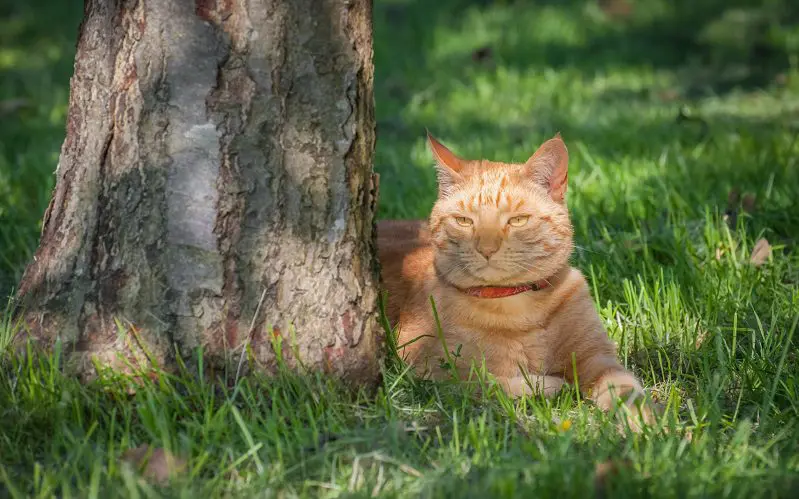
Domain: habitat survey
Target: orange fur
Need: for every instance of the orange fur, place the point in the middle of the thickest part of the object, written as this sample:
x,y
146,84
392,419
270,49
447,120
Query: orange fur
x,y
469,241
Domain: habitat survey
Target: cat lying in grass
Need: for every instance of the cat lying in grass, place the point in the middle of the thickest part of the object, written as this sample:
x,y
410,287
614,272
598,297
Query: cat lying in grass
x,y
495,258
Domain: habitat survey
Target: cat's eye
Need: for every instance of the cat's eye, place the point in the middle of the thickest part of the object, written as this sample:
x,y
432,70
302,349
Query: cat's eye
x,y
464,222
518,221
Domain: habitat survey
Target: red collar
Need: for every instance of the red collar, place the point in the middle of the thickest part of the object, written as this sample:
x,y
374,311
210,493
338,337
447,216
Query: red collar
x,y
503,291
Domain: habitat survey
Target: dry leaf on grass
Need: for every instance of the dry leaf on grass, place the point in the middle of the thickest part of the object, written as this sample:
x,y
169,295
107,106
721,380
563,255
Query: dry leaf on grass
x,y
483,54
748,203
732,198
668,95
617,9
731,213
155,464
760,253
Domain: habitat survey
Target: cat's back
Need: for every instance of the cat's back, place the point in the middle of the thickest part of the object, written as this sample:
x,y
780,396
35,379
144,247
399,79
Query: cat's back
x,y
406,260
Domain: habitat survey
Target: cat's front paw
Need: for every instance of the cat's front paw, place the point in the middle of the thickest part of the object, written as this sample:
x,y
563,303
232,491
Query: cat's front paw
x,y
636,408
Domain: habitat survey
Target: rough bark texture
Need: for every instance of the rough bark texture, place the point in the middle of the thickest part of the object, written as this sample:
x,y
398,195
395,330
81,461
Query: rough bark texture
x,y
214,189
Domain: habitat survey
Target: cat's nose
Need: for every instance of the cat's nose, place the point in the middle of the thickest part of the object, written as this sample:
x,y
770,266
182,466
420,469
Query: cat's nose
x,y
488,247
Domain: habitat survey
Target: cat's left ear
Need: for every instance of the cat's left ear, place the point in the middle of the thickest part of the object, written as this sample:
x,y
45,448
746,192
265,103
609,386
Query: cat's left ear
x,y
448,166
549,167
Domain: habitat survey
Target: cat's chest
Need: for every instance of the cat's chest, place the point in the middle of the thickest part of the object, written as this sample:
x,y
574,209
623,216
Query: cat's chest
x,y
504,354
510,317
505,333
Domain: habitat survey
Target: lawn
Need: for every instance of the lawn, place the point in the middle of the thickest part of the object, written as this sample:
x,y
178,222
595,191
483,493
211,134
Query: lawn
x,y
682,120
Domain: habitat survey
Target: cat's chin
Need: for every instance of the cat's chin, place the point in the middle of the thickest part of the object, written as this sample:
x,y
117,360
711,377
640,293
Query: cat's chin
x,y
497,277
488,277
468,276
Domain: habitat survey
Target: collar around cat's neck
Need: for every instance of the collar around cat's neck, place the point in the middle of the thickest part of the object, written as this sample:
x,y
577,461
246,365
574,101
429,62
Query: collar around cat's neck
x,y
504,291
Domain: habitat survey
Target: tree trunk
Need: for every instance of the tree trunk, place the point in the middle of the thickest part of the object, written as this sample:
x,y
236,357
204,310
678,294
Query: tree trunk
x,y
214,189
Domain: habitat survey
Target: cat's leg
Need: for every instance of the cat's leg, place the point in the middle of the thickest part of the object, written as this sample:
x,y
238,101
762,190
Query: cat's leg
x,y
605,382
587,357
615,384
533,384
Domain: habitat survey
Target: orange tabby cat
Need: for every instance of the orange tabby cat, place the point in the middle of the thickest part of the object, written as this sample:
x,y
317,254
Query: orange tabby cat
x,y
494,257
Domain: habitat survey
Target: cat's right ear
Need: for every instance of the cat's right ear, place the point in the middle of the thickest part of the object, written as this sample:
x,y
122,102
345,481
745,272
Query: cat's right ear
x,y
549,167
448,166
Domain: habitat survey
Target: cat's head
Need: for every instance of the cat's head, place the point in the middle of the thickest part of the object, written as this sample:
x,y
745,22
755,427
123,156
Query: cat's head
x,y
501,224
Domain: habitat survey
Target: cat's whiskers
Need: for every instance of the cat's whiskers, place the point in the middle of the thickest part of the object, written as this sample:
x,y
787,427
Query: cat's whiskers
x,y
526,265
532,268
463,268
523,268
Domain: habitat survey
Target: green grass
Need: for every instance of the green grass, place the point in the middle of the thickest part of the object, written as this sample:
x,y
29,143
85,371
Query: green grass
x,y
712,336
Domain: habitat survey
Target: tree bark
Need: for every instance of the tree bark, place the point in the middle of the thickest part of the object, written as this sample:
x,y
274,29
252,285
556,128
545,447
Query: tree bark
x,y
214,189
